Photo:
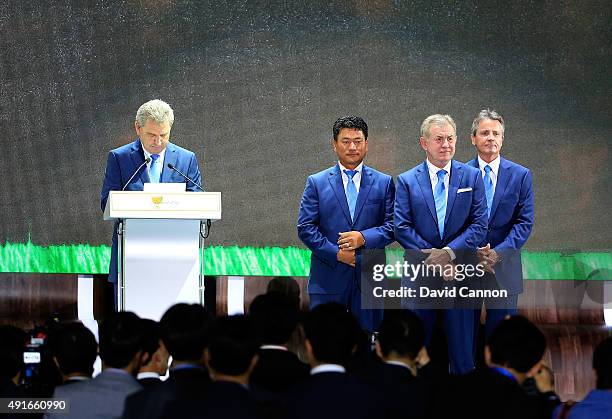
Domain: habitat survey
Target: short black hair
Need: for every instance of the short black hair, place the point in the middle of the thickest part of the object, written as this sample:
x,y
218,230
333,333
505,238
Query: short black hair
x,y
285,285
332,332
232,345
121,337
275,317
602,364
355,122
12,345
74,347
517,343
151,337
184,329
401,331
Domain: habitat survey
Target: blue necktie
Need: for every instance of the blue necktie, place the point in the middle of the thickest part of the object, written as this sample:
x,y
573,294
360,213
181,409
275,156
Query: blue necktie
x,y
488,188
351,192
440,199
154,169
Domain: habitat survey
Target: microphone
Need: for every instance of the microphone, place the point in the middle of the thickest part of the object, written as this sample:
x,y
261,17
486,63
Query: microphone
x,y
137,170
171,166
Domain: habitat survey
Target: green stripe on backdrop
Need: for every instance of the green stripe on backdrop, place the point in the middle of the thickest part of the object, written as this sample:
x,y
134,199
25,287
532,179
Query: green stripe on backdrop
x,y
268,261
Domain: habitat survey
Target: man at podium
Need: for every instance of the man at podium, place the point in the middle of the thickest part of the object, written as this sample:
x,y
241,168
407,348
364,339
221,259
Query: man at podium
x,y
151,158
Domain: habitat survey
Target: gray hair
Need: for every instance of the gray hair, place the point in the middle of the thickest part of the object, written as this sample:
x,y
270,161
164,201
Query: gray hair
x,y
437,120
484,115
155,110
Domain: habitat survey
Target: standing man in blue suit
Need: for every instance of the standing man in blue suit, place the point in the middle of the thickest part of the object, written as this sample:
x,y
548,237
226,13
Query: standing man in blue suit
x,y
126,168
344,209
509,195
440,211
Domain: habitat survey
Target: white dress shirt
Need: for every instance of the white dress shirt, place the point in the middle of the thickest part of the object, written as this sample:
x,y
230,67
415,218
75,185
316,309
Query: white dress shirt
x,y
327,368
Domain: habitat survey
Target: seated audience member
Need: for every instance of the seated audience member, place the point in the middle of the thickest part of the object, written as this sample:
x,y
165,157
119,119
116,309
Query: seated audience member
x,y
184,331
331,334
12,345
513,352
157,364
401,347
74,350
122,355
275,318
285,285
598,403
231,356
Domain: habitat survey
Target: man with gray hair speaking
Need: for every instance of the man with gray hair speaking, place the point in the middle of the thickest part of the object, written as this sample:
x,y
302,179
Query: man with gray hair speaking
x,y
126,168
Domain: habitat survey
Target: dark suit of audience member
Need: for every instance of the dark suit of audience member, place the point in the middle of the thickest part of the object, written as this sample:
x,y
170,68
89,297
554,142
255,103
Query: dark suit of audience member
x,y
121,353
74,350
598,403
397,374
184,331
157,359
330,392
514,351
275,317
509,195
231,356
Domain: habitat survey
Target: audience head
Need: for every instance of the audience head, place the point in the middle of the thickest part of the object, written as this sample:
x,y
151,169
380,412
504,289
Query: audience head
x,y
331,334
121,341
74,349
285,285
184,330
275,318
12,345
157,353
515,343
233,347
602,364
400,334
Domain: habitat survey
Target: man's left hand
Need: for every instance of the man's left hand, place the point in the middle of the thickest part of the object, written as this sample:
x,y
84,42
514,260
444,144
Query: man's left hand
x,y
437,257
351,240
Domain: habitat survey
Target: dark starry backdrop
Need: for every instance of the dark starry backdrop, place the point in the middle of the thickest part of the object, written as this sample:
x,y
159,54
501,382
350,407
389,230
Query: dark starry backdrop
x,y
257,85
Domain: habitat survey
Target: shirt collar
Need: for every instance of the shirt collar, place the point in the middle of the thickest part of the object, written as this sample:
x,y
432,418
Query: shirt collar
x,y
399,364
494,164
327,368
433,170
359,168
277,347
151,374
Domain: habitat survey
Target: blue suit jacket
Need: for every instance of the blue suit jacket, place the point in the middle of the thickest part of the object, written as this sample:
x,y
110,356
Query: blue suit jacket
x,y
324,213
510,222
122,163
416,223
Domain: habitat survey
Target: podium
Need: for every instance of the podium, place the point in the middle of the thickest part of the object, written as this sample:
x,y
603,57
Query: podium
x,y
161,239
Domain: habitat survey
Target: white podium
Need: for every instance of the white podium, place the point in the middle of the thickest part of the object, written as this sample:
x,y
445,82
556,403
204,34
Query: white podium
x,y
161,242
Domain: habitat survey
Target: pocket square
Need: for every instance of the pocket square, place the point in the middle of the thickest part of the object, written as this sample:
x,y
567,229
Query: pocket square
x,y
464,190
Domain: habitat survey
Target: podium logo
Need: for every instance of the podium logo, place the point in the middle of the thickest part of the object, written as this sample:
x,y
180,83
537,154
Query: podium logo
x,y
157,199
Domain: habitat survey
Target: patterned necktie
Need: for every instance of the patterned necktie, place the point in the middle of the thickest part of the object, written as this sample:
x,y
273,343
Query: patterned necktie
x,y
488,183
440,200
351,192
154,169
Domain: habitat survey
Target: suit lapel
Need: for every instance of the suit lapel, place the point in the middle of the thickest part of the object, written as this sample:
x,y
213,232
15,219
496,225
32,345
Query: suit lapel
x,y
425,184
364,190
335,180
503,176
456,176
137,157
169,157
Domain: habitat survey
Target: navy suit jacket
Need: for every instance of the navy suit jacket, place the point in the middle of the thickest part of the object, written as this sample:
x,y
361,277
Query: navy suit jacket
x,y
324,213
510,222
122,163
416,223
